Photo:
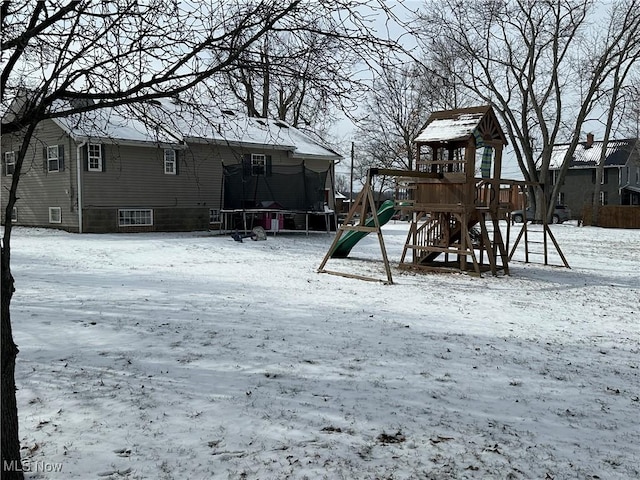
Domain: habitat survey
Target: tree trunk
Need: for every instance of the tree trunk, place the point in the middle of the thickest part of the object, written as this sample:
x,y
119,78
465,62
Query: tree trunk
x,y
539,205
11,467
11,464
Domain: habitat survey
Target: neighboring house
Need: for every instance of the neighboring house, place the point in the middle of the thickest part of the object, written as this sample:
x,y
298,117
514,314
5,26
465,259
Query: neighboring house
x,y
161,167
620,183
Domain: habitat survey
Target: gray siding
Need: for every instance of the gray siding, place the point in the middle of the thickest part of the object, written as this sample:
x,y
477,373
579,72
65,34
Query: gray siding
x,y
134,178
38,189
578,188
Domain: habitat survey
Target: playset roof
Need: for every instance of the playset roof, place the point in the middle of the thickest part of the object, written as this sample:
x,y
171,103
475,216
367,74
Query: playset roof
x,y
459,125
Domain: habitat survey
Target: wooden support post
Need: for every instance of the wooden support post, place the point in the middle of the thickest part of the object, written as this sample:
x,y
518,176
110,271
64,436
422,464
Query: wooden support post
x,y
465,240
486,243
497,234
364,203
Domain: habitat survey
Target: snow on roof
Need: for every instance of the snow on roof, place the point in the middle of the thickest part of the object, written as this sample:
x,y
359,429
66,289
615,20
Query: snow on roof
x,y
210,124
457,127
169,122
116,124
617,153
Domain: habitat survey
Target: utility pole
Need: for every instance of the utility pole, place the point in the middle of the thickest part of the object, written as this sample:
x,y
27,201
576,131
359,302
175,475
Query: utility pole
x,y
351,180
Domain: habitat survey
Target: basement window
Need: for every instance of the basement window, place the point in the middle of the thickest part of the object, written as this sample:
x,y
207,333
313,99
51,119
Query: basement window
x,y
135,217
55,215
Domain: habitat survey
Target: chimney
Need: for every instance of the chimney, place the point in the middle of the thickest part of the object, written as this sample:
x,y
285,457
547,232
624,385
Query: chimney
x,y
589,140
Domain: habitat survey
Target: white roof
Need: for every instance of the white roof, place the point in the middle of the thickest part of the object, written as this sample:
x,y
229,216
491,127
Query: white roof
x,y
171,123
116,125
446,129
617,154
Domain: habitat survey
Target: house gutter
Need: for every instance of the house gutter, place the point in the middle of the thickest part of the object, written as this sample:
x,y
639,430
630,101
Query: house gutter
x,y
79,170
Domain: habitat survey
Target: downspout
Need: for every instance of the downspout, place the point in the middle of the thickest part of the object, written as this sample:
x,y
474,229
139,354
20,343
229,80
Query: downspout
x,y
79,169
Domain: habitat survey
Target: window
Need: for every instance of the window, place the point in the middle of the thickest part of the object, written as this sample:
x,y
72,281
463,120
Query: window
x,y
637,175
560,198
53,159
603,198
9,162
14,214
138,217
214,215
55,215
94,151
258,164
603,179
170,162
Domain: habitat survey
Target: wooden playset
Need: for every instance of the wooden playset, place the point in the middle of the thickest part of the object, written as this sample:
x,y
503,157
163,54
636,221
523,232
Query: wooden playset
x,y
453,213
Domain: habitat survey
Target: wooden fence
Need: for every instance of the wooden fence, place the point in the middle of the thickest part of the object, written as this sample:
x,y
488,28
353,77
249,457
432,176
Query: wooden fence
x,y
613,216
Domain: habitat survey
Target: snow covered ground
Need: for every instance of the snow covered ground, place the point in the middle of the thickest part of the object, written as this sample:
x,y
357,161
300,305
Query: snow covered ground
x,y
191,356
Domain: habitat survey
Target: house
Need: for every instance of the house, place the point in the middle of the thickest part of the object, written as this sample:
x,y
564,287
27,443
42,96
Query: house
x,y
620,184
164,167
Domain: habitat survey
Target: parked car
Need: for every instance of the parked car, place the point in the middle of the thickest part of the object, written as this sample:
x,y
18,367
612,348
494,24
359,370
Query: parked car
x,y
561,213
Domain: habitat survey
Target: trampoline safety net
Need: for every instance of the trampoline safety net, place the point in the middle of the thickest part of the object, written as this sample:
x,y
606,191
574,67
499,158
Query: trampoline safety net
x,y
290,187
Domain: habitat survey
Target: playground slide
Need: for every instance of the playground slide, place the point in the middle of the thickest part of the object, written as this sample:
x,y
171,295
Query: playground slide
x,y
348,240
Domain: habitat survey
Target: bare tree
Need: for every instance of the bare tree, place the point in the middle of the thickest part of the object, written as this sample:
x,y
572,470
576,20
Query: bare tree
x,y
630,123
523,58
105,54
294,78
342,184
304,76
628,54
396,110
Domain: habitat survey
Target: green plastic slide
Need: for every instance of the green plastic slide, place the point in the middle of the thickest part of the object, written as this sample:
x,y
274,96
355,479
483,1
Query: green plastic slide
x,y
348,240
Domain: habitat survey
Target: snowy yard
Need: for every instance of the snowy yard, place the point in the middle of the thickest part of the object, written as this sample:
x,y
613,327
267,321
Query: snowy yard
x,y
191,356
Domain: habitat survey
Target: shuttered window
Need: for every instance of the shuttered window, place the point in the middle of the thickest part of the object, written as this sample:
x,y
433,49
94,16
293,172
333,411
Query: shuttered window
x,y
256,165
9,163
53,157
94,157
53,160
170,162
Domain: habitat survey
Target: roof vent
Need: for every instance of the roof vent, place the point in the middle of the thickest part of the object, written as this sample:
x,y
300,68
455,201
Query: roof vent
x,y
81,102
